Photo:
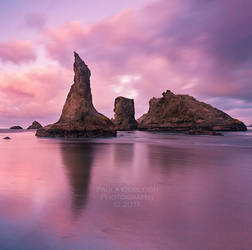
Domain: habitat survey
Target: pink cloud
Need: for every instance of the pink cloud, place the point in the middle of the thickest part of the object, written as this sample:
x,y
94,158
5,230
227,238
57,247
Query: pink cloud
x,y
114,48
185,47
164,45
36,93
17,51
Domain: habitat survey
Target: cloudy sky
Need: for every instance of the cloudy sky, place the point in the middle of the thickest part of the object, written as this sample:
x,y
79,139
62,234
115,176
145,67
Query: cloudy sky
x,y
134,48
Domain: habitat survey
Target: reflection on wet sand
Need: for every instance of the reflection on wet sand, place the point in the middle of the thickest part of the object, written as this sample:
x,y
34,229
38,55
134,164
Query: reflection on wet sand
x,y
123,154
78,160
167,158
64,194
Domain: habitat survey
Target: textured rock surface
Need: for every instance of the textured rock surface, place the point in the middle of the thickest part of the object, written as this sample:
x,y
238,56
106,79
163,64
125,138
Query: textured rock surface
x,y
124,118
35,125
182,113
16,127
79,118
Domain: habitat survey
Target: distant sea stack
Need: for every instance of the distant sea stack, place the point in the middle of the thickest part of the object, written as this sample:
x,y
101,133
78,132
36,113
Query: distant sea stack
x,y
79,118
7,138
124,118
183,113
16,127
35,125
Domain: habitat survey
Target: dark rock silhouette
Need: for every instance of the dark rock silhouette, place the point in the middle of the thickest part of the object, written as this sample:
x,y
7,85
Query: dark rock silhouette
x,y
35,125
16,127
183,113
124,118
79,118
7,138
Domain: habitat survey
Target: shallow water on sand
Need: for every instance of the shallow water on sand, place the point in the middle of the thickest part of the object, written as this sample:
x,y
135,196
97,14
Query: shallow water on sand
x,y
137,191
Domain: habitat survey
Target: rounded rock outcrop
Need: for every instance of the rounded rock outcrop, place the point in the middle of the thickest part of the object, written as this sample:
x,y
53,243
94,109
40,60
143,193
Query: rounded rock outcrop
x,y
16,127
183,113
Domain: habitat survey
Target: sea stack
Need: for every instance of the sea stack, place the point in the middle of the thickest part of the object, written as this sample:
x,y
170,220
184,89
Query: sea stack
x,y
183,113
16,127
35,125
7,138
124,118
79,118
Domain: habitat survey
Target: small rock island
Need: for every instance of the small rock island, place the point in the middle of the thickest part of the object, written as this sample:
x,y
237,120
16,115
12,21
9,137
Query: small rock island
x,y
79,117
16,127
6,138
124,118
35,125
184,113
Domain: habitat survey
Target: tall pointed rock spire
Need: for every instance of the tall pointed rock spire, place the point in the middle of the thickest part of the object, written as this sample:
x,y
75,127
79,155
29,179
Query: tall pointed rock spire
x,y
79,118
79,99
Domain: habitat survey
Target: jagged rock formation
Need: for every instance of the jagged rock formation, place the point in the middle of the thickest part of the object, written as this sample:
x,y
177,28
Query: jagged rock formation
x,y
124,118
16,127
35,125
79,118
183,113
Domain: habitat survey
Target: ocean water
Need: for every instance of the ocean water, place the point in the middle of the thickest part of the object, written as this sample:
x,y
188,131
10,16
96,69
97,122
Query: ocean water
x,y
140,190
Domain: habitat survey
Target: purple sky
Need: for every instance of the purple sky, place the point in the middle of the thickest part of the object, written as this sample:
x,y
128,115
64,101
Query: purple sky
x,y
134,48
